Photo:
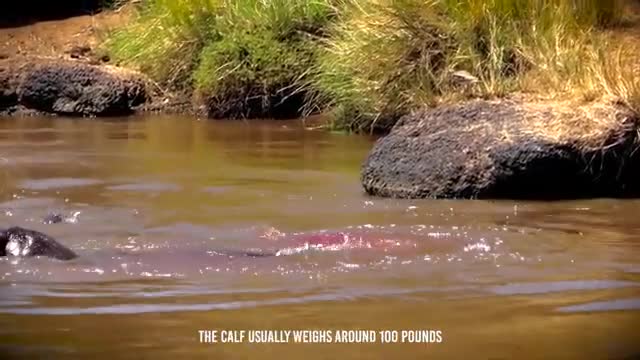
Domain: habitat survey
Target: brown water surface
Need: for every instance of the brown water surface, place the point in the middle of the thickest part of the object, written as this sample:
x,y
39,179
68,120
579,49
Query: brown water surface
x,y
150,204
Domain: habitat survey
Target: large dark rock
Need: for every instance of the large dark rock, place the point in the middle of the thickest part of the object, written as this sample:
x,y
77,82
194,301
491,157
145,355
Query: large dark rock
x,y
9,81
508,149
76,88
8,95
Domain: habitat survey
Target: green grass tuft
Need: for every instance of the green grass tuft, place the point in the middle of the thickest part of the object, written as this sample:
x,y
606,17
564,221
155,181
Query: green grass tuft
x,y
263,54
165,38
244,58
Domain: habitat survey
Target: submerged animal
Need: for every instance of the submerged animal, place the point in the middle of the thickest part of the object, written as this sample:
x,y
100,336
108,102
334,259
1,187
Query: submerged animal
x,y
17,241
20,242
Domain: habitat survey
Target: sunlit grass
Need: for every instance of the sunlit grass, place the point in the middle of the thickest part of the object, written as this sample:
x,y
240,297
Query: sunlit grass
x,y
368,62
386,57
243,57
166,37
264,51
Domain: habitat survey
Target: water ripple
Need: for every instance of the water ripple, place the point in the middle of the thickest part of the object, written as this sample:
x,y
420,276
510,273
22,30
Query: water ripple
x,y
57,183
611,305
559,286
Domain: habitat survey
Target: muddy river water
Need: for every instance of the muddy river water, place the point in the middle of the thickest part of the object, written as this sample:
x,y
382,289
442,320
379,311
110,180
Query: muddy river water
x,y
150,203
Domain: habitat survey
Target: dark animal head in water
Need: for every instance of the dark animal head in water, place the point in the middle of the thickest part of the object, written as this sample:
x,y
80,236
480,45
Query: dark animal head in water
x,y
21,242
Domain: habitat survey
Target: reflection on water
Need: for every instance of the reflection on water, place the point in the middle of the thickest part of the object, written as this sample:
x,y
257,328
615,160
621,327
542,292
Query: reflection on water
x,y
164,210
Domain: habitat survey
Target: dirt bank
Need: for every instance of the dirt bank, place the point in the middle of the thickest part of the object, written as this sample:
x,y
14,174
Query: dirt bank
x,y
58,36
58,53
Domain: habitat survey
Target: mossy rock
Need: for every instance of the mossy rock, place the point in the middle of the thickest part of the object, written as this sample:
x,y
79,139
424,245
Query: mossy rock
x,y
508,149
70,88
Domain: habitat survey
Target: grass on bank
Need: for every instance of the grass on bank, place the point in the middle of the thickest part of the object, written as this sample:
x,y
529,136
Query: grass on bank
x,y
243,58
368,62
385,58
264,52
165,38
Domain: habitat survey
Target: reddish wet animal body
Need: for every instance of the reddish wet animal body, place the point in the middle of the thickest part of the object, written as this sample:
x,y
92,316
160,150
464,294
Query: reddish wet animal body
x,y
339,240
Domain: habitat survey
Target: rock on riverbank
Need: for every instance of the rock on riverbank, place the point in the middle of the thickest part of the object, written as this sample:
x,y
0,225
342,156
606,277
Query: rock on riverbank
x,y
69,87
508,149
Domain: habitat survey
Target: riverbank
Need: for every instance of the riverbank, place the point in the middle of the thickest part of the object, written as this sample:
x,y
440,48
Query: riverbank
x,y
70,40
366,65
363,63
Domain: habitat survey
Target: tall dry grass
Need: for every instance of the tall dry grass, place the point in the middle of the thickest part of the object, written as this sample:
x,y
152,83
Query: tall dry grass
x,y
368,62
387,57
